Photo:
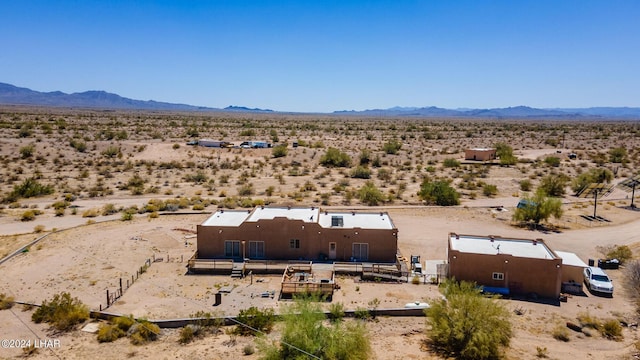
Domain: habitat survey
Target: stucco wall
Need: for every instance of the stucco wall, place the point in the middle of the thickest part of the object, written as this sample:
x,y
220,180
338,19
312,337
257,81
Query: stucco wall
x,y
314,240
521,275
480,155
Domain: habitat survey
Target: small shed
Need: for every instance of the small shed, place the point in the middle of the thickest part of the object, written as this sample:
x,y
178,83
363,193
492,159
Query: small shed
x,y
572,267
480,154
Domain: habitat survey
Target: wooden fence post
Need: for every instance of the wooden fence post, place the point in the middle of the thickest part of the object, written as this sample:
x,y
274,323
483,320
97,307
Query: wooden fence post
x,y
108,298
120,285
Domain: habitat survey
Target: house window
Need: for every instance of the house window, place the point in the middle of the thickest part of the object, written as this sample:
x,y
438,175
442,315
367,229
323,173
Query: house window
x,y
256,249
294,243
337,221
498,276
232,248
360,251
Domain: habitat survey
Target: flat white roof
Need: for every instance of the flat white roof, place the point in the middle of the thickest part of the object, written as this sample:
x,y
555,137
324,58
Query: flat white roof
x,y
352,220
499,245
226,218
269,213
481,149
569,258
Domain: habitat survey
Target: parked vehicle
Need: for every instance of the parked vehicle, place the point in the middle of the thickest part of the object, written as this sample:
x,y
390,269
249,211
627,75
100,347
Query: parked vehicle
x,y
417,305
254,144
214,143
597,280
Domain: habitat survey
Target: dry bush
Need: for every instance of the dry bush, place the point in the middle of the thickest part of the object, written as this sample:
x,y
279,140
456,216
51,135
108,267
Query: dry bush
x,y
6,302
63,312
560,333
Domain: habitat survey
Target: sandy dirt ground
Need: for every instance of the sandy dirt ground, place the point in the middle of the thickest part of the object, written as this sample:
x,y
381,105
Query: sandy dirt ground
x,y
89,259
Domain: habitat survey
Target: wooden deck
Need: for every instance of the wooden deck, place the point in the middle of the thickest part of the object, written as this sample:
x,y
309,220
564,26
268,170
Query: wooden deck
x,y
305,279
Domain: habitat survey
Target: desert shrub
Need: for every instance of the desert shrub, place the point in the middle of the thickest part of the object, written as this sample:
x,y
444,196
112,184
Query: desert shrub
x,y
60,207
632,280
38,229
189,333
467,324
279,151
538,208
611,329
589,321
270,190
552,161
362,313
304,329
254,318
392,146
618,155
90,213
108,209
198,207
63,312
26,130
124,322
27,151
111,151
361,172
80,146
525,185
248,349
30,187
598,175
384,174
620,252
199,177
207,320
337,311
143,332
365,156
6,302
369,194
246,190
438,193
28,215
248,132
109,333
127,215
505,153
335,158
554,184
451,163
561,333
489,190
542,352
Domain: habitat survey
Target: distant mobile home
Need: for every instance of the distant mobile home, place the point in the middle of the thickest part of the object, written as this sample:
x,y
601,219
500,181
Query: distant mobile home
x,y
287,233
213,143
255,144
480,154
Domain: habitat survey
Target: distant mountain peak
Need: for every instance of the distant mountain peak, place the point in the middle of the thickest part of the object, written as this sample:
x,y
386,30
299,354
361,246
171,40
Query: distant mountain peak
x,y
245,109
100,99
13,95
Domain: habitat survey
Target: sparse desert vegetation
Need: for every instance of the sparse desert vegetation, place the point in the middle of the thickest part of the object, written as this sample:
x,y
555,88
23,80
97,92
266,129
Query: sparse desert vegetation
x,y
80,155
116,174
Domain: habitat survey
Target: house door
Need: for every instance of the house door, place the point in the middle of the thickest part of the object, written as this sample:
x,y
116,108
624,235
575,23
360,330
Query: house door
x,y
332,251
232,249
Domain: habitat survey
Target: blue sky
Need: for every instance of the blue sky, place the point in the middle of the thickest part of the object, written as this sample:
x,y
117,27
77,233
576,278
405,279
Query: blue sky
x,y
321,56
